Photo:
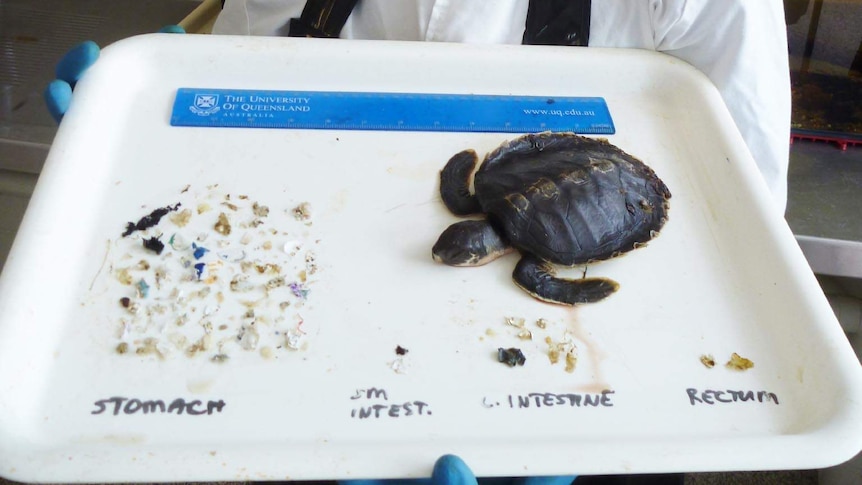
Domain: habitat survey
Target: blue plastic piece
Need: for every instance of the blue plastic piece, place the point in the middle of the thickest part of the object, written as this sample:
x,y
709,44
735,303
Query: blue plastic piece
x,y
199,251
199,269
143,288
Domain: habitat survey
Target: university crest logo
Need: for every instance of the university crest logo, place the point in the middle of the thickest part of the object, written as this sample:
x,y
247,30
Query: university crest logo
x,y
205,104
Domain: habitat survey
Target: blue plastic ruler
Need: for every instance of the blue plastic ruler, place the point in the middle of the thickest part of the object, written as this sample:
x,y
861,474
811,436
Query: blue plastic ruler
x,y
232,108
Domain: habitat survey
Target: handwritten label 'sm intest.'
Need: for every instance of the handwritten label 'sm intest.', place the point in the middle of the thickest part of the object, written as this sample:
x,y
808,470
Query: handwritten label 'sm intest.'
x,y
376,405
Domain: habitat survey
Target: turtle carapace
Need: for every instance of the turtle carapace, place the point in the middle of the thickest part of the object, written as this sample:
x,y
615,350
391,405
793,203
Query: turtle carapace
x,y
558,199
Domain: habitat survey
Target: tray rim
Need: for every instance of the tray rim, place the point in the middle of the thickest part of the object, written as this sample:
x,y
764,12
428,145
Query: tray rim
x,y
67,132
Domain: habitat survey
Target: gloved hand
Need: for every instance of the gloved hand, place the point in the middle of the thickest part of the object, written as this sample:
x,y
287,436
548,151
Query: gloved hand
x,y
58,94
451,470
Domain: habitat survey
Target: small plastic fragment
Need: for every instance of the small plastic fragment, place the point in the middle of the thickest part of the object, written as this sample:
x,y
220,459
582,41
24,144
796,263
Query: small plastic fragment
x,y
737,362
248,337
399,365
401,350
571,361
240,283
566,348
511,356
260,210
132,306
178,242
294,338
219,358
124,277
154,245
515,322
202,344
199,251
199,269
291,247
707,360
275,283
181,218
222,226
310,263
299,290
232,255
149,347
143,288
269,268
149,220
302,212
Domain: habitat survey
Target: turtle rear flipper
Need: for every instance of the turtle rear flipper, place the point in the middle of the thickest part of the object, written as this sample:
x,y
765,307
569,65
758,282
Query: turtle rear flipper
x,y
537,278
455,184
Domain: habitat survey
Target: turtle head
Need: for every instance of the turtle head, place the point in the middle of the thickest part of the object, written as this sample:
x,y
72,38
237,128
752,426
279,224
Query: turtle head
x,y
469,243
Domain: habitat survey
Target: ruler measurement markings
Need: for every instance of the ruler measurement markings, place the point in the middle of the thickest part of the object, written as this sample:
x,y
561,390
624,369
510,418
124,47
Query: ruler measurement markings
x,y
203,107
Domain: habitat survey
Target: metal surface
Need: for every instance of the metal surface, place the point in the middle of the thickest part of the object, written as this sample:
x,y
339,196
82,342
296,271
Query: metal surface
x,y
34,34
825,195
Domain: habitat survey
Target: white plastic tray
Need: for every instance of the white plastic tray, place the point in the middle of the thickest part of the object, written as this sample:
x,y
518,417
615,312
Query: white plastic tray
x,y
724,276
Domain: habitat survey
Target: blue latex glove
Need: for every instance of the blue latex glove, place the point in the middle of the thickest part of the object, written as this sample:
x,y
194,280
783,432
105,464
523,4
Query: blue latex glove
x,y
451,470
58,94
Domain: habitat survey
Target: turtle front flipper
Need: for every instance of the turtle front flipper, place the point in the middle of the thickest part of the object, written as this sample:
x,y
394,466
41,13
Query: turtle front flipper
x,y
469,243
537,278
455,184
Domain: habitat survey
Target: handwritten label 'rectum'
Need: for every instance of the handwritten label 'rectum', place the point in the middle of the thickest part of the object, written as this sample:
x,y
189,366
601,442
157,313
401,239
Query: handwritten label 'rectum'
x,y
712,397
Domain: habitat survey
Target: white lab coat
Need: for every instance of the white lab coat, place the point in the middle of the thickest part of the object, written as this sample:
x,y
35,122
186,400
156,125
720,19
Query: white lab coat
x,y
741,45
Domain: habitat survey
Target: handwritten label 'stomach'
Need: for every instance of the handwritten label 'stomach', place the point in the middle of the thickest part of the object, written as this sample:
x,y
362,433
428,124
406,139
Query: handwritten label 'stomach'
x,y
124,405
713,397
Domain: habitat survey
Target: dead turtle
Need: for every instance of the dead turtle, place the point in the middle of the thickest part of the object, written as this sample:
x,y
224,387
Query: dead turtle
x,y
559,199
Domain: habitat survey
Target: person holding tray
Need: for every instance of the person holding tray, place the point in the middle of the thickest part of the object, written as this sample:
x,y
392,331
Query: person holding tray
x,y
739,44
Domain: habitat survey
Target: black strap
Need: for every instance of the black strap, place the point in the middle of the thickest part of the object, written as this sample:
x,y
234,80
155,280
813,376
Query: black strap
x,y
549,22
558,22
321,18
